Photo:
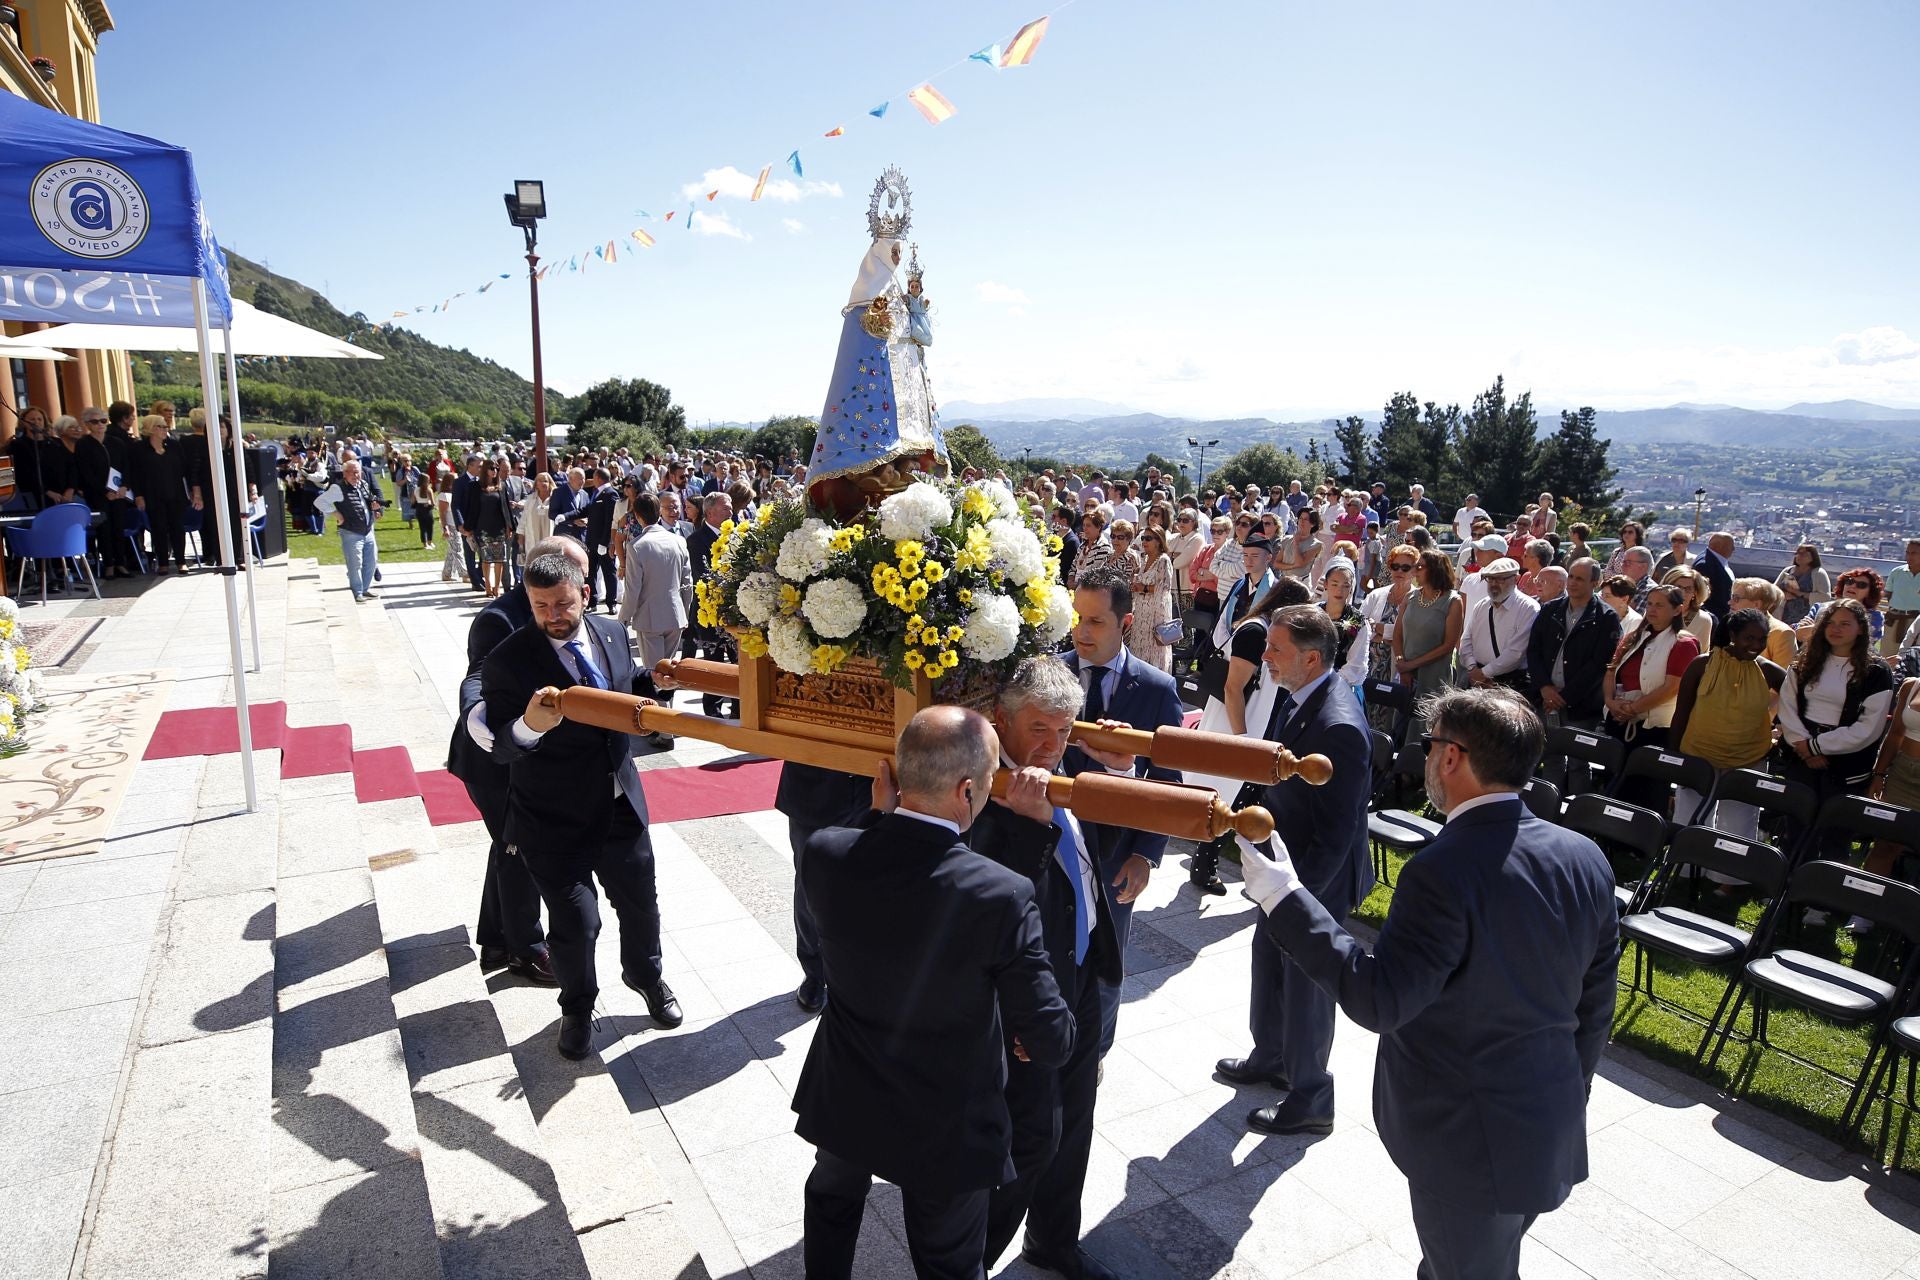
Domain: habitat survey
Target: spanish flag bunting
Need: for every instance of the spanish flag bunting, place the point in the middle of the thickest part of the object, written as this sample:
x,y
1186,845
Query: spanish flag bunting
x,y
761,185
931,104
793,163
646,241
712,194
835,132
1025,43
880,110
670,214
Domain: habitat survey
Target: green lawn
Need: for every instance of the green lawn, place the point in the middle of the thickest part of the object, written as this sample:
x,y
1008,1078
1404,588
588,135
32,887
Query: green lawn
x,y
1766,1079
399,542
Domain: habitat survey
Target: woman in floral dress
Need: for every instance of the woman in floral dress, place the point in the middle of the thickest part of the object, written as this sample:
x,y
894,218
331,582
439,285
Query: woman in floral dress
x,y
1152,600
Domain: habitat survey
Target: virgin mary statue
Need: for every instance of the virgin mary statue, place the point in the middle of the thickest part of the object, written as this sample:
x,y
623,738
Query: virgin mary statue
x,y
879,426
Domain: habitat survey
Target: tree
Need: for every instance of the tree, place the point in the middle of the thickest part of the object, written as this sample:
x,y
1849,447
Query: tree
x,y
451,422
1168,467
782,438
1397,458
967,447
1317,467
269,299
1355,462
1574,466
1495,453
1262,464
636,401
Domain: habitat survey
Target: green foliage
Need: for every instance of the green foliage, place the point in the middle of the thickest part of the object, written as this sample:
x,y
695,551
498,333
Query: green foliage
x,y
605,434
967,447
1494,452
1168,467
1353,464
1262,464
1574,466
731,439
783,438
636,401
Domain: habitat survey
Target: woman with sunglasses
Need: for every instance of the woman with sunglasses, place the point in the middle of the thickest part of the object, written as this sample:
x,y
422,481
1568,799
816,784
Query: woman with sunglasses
x,y
1693,589
1184,544
1862,585
1428,632
1382,609
1152,599
1642,683
1297,556
1632,534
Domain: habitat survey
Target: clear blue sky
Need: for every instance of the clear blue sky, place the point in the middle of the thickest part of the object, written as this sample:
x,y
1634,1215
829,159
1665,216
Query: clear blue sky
x,y
1229,208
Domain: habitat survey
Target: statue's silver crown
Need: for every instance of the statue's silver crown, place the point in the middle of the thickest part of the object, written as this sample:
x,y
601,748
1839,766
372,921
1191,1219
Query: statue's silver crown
x,y
893,224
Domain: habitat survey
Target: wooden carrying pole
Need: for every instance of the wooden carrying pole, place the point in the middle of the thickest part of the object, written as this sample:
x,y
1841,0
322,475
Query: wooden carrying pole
x,y
1190,813
1220,755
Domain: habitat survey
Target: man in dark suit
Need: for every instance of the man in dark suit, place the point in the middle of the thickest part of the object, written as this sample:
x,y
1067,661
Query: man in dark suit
x,y
1568,650
568,505
1716,562
1125,690
603,578
1052,1108
508,932
574,805
1063,528
936,958
1291,1018
468,491
813,799
1491,987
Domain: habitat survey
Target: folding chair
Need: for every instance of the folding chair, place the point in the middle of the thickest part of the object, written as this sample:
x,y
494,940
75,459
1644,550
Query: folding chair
x,y
1698,939
1400,829
1902,1043
1391,695
1589,746
1775,798
1660,765
1842,993
1542,799
1862,820
1620,829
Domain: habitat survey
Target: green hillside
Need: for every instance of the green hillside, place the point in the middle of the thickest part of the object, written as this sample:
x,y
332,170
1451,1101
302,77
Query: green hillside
x,y
419,384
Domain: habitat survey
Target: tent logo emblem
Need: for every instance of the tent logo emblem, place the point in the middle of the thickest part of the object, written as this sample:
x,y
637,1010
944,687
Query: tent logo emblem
x,y
90,208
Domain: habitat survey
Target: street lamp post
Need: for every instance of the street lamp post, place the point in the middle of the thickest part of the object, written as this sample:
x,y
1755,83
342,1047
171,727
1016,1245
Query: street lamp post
x,y
1200,480
526,205
1026,461
1699,499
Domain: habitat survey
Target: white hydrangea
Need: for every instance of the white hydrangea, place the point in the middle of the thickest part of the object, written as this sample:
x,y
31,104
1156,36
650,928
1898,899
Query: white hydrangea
x,y
8,609
1016,552
789,646
1059,616
804,552
835,607
915,512
758,596
36,685
993,628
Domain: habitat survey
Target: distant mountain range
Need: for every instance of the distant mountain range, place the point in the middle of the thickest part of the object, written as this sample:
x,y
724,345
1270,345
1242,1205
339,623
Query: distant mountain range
x,y
1074,430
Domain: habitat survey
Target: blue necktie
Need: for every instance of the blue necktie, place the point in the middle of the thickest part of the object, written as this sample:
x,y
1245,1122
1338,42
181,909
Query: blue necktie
x,y
1068,852
589,674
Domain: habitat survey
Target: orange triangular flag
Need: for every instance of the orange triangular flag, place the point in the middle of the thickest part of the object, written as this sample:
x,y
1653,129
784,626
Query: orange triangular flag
x,y
836,131
712,194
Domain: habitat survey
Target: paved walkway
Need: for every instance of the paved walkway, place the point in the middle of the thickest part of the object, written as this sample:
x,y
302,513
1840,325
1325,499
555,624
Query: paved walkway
x,y
136,1089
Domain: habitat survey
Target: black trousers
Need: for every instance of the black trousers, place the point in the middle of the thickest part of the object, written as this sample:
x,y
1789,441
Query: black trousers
x,y
470,548
1052,1111
624,863
806,934
427,518
167,532
1292,1018
1467,1244
509,899
946,1234
603,578
1122,913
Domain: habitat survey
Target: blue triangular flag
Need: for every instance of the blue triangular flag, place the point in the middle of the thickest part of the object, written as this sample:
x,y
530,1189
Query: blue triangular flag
x,y
880,110
989,55
793,163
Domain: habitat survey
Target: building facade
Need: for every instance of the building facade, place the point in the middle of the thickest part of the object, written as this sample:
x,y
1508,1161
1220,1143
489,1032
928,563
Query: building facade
x,y
66,34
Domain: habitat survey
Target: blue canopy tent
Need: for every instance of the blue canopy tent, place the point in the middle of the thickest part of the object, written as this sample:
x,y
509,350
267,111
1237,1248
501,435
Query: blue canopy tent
x,y
104,227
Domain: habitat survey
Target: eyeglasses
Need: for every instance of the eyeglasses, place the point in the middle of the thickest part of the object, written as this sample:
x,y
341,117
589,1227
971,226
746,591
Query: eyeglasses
x,y
1399,568
1427,740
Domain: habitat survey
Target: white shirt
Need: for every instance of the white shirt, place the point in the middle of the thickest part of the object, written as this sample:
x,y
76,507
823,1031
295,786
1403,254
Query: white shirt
x,y
916,815
525,734
1463,521
1084,860
1492,797
1505,627
1126,511
1826,703
1299,697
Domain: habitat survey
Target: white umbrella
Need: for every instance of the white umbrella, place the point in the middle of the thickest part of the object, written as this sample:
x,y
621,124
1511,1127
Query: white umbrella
x,y
21,351
255,333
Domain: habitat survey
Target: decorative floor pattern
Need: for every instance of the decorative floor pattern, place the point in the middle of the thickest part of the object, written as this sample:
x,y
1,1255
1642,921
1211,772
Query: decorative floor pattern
x,y
62,792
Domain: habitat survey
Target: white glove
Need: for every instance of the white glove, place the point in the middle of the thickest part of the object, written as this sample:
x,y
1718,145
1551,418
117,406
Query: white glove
x,y
1268,878
477,727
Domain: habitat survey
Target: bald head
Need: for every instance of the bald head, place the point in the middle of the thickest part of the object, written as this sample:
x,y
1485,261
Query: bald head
x,y
572,548
944,763
1721,543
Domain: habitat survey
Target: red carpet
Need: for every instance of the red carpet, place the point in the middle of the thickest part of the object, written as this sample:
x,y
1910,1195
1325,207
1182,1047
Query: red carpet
x,y
319,749
383,774
733,786
446,799
212,731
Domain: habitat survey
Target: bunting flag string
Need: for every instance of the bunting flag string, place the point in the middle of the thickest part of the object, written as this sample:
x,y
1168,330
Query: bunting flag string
x,y
932,105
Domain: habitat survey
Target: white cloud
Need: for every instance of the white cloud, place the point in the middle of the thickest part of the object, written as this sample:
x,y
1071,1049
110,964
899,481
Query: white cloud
x,y
717,224
735,185
793,225
1004,294
1881,344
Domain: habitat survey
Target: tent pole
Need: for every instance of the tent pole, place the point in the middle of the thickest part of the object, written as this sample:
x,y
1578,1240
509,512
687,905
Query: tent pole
x,y
209,392
243,540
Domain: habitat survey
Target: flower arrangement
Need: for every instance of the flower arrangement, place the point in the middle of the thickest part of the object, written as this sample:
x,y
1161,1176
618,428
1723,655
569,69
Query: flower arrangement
x,y
20,689
940,578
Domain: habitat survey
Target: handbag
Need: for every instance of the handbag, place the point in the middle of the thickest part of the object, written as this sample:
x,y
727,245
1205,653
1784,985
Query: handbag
x,y
1170,631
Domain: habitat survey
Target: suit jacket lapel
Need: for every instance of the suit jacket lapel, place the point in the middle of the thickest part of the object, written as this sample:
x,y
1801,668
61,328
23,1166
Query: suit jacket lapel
x,y
1304,715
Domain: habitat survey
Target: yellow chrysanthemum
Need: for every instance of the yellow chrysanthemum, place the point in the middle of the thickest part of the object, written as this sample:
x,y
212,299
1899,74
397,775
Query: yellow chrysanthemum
x,y
897,597
907,549
1053,543
966,596
929,635
915,623
956,634
935,571
916,593
766,515
914,660
726,528
949,659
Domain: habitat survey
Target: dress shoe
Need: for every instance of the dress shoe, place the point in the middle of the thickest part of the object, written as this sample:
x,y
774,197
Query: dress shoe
x,y
492,958
1284,1119
535,966
661,741
576,1036
1077,1265
811,996
1236,1071
661,1006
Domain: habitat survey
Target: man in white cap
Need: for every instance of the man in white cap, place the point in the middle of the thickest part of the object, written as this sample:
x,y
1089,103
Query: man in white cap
x,y
1493,643
1473,587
